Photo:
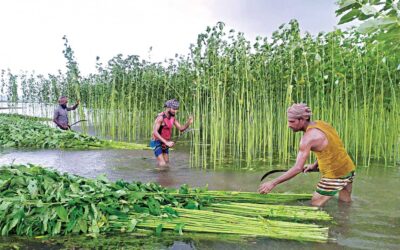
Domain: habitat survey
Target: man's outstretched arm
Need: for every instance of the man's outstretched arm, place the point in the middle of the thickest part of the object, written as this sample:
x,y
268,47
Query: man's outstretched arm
x,y
73,107
184,127
302,155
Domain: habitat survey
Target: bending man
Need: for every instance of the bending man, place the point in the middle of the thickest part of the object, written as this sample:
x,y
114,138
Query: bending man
x,y
162,131
336,167
60,117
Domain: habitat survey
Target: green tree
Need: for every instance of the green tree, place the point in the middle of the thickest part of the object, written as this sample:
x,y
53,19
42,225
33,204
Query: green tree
x,y
381,19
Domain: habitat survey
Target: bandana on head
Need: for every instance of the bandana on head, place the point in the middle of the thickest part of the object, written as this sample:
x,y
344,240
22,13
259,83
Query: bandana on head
x,y
299,110
62,100
173,103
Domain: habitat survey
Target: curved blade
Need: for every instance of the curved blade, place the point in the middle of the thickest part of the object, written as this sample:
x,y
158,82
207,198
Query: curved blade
x,y
271,172
77,122
283,170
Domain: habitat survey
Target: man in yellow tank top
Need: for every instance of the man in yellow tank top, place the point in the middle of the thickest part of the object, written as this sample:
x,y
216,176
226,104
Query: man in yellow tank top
x,y
335,165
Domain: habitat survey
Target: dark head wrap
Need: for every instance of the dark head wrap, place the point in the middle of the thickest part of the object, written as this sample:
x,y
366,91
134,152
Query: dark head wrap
x,y
173,103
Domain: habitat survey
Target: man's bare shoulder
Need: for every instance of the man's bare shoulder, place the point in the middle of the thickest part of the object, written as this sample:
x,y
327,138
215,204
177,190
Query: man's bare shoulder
x,y
313,135
159,118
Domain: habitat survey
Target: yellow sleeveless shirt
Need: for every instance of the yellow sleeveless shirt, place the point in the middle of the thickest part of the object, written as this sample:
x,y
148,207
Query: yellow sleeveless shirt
x,y
333,161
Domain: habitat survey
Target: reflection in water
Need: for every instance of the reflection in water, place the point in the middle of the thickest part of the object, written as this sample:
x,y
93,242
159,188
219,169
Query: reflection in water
x,y
342,215
164,177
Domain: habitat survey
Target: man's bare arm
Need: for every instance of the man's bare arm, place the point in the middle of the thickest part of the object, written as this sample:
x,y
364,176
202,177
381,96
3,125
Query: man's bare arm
x,y
184,127
309,140
73,107
55,117
156,127
302,155
310,167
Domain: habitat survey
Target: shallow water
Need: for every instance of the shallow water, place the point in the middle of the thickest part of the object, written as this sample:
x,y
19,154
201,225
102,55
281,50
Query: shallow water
x,y
372,221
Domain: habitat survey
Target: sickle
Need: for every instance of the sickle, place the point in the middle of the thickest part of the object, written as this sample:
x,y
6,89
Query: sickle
x,y
77,122
282,170
271,172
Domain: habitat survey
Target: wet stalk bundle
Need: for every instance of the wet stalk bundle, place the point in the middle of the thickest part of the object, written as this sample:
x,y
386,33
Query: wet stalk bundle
x,y
23,131
225,223
281,212
39,201
243,197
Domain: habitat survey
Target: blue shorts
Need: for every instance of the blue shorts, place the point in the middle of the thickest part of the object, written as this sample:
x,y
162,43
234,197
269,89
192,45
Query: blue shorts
x,y
158,147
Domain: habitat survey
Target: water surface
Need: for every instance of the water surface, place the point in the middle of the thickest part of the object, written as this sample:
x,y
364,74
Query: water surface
x,y
371,221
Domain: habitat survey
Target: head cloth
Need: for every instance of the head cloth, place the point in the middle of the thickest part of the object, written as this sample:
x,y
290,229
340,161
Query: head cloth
x,y
173,103
62,100
299,110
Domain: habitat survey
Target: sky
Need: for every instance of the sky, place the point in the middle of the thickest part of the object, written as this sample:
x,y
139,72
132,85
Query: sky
x,y
31,30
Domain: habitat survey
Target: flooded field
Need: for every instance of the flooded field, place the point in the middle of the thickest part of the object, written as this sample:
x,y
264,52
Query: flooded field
x,y
372,221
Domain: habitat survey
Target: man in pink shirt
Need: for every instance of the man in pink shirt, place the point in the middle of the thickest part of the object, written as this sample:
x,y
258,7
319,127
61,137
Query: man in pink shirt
x,y
162,131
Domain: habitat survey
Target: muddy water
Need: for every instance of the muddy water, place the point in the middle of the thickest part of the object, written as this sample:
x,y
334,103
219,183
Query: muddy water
x,y
372,221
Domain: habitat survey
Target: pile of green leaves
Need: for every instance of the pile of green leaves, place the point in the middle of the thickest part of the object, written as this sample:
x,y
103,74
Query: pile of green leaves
x,y
22,131
28,117
39,201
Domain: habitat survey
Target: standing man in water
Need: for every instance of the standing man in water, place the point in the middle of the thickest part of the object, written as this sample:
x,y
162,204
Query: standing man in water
x,y
336,167
162,131
60,117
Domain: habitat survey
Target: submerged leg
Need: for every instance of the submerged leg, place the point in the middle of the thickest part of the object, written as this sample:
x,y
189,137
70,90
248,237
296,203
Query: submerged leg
x,y
160,161
345,193
166,158
319,200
